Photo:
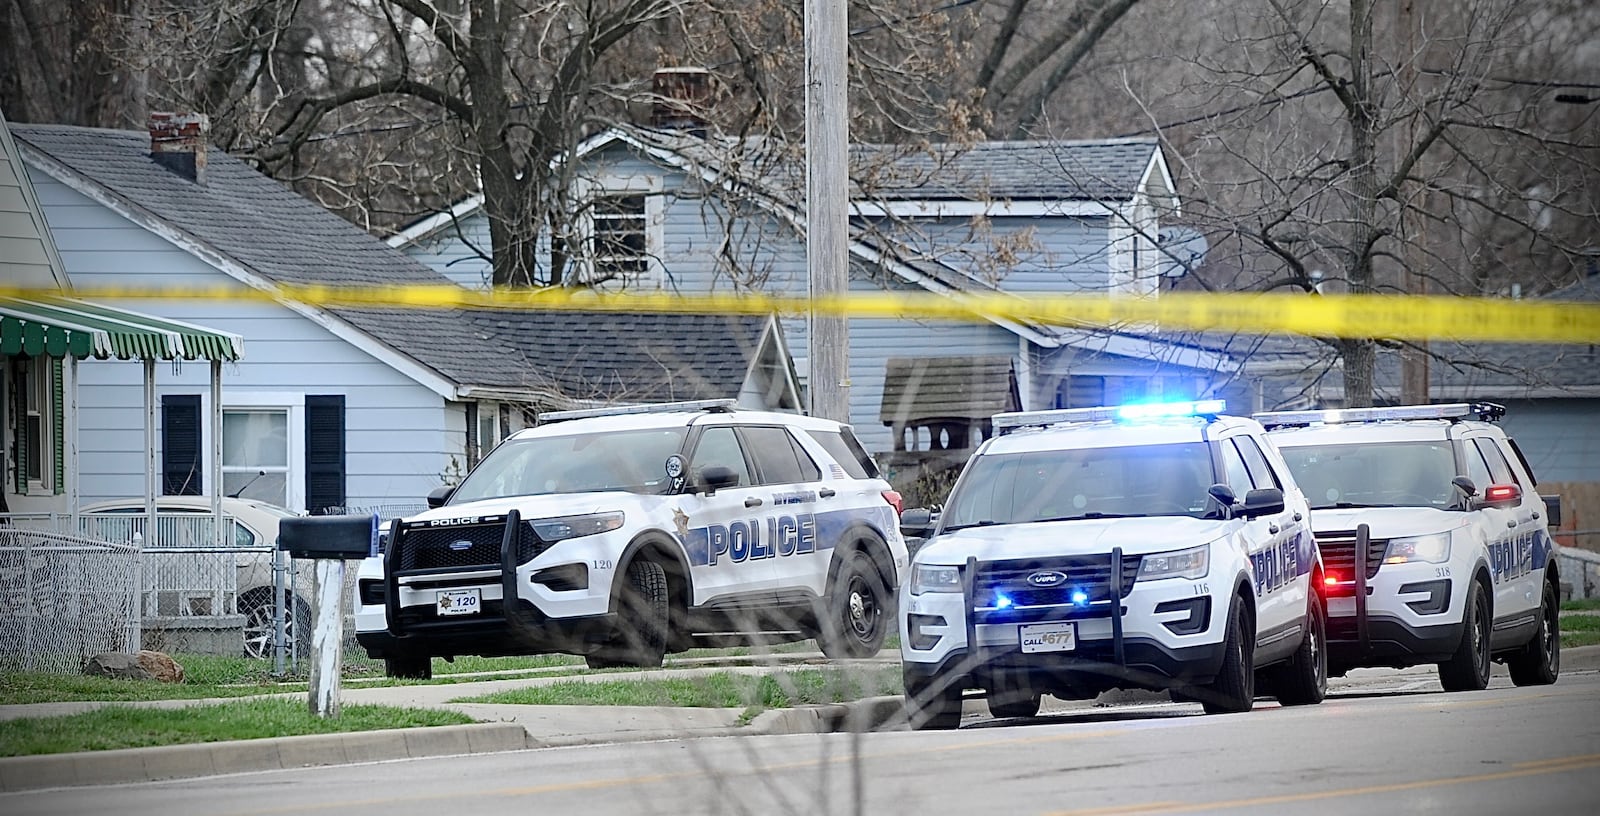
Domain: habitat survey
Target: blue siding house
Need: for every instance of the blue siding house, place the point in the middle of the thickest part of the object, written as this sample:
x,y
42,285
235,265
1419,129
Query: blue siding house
x,y
674,211
333,407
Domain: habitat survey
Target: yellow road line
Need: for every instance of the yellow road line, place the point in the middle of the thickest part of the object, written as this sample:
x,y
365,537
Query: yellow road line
x,y
1387,316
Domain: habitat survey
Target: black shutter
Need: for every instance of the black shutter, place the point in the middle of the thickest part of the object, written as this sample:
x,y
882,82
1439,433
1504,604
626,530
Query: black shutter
x,y
325,453
472,435
180,445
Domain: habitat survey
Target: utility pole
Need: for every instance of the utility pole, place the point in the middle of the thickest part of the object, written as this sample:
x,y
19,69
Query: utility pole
x,y
827,206
1413,230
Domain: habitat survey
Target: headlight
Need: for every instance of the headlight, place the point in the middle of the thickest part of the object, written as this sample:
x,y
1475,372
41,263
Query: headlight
x,y
1432,549
564,527
1194,562
934,578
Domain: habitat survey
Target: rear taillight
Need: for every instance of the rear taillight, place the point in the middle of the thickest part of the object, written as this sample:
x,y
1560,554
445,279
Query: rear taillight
x,y
894,500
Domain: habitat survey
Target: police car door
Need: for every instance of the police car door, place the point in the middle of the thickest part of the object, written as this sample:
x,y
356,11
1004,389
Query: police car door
x,y
725,532
1513,532
794,492
1270,540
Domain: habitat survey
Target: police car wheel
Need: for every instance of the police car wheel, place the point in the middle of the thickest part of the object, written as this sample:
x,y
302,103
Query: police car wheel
x,y
1468,670
409,667
856,619
1539,663
641,639
1234,690
1014,701
1304,679
934,704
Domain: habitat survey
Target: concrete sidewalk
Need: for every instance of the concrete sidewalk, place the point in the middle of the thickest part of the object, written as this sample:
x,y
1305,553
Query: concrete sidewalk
x,y
518,727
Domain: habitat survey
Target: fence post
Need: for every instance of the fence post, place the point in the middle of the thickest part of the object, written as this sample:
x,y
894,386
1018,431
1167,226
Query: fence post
x,y
279,636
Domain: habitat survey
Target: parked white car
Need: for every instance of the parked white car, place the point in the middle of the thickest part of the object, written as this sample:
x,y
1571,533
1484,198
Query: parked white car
x,y
1150,546
184,522
623,534
1458,566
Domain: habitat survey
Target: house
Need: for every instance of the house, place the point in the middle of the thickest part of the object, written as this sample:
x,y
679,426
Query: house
x,y
334,407
680,211
50,345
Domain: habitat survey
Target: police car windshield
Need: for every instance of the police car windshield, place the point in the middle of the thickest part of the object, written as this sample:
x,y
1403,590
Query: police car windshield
x,y
632,461
1090,483
1387,474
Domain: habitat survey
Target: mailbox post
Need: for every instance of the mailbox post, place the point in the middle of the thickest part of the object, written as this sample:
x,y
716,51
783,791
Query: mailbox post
x,y
329,541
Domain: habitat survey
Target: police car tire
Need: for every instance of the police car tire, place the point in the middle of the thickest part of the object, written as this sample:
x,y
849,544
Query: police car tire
x,y
1468,669
1304,679
642,613
934,704
409,667
1234,690
848,631
1006,703
1539,663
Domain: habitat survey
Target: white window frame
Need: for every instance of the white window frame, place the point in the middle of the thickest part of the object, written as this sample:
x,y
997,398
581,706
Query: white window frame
x,y
35,377
295,405
651,187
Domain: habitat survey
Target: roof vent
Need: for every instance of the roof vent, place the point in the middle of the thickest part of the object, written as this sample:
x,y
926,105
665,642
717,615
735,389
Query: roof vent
x,y
178,143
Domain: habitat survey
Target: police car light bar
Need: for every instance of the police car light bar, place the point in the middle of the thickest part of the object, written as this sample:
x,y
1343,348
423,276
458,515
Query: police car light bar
x,y
648,408
1011,421
1455,411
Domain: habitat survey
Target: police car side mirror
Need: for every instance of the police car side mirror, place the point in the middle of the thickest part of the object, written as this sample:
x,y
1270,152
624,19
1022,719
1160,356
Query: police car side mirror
x,y
439,495
1265,501
1223,495
916,521
717,477
1552,510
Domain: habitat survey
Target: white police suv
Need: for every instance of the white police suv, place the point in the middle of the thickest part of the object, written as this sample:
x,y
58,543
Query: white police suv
x,y
1146,546
625,533
1435,541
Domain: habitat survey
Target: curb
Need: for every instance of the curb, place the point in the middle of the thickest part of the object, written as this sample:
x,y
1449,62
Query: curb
x,y
239,756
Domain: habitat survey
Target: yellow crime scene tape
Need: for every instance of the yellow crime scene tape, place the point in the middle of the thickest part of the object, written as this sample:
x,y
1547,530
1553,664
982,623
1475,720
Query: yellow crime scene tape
x,y
1399,317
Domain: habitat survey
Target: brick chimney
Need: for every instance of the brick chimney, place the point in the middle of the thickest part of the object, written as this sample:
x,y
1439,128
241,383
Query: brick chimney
x,y
178,143
682,97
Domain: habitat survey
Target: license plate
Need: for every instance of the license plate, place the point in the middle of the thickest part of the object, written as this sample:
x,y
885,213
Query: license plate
x,y
1048,637
459,602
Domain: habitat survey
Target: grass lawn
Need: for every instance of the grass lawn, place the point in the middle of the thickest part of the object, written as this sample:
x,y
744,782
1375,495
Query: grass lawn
x,y
1585,604
124,727
1580,630
780,689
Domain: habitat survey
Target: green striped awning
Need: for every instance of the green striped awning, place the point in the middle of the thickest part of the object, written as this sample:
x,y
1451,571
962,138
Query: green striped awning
x,y
59,327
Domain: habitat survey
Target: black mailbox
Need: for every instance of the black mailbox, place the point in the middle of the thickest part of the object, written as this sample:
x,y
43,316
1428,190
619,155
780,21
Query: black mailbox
x,y
345,537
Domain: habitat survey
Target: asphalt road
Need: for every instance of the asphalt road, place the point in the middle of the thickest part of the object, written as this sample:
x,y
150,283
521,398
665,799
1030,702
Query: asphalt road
x,y
1387,746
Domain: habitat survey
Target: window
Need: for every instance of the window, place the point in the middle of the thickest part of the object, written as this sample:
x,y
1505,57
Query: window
x,y
1234,471
35,432
778,458
1499,469
719,446
1477,470
619,234
1147,480
1388,474
843,446
255,454
1256,462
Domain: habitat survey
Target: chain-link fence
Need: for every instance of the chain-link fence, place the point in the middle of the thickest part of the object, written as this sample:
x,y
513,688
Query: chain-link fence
x,y
64,597
190,585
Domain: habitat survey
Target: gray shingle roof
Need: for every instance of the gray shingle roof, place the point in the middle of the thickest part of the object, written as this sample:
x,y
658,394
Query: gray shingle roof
x,y
1108,170
284,238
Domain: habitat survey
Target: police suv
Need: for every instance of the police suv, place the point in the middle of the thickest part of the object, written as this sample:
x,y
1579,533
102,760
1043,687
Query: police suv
x,y
1147,546
624,533
1435,541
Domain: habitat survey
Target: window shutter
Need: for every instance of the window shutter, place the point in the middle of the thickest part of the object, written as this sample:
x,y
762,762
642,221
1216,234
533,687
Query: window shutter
x,y
325,453
58,419
180,445
472,435
19,427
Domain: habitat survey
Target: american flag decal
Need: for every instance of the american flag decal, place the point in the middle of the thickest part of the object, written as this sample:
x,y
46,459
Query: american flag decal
x,y
836,471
